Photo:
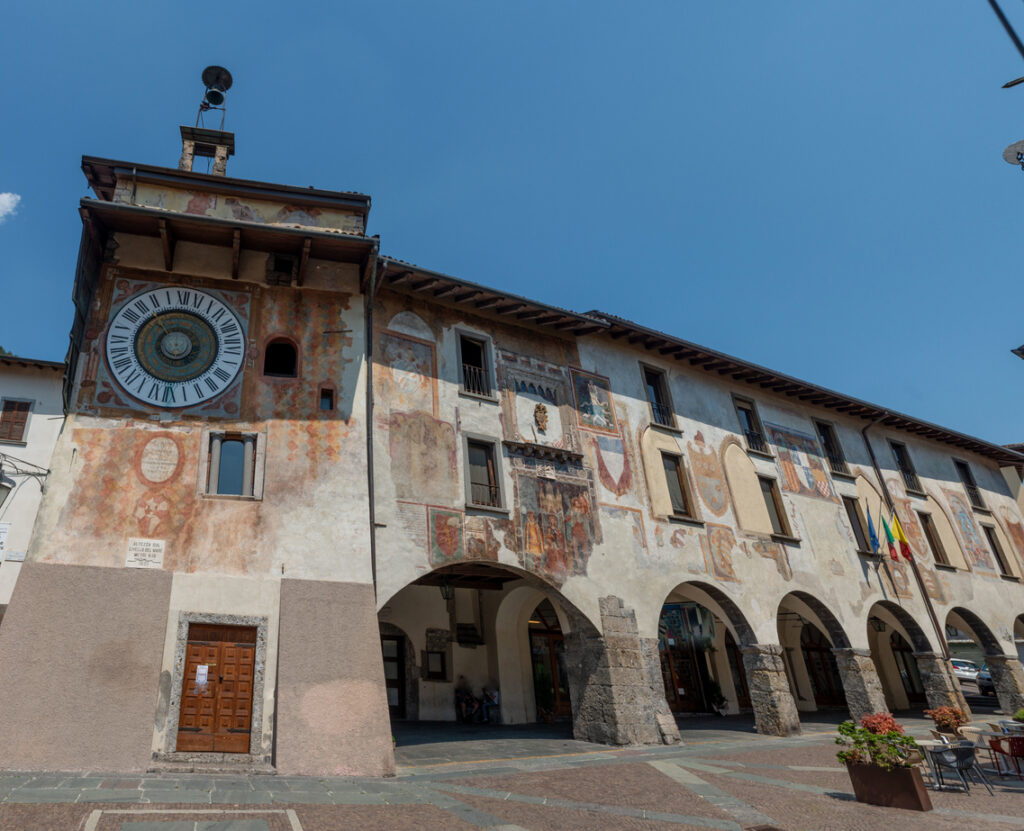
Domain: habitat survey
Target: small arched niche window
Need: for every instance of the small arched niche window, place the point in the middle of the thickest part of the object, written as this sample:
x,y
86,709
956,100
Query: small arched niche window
x,y
280,360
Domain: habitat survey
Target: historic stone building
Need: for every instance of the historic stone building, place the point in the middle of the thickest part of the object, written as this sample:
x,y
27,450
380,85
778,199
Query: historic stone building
x,y
302,484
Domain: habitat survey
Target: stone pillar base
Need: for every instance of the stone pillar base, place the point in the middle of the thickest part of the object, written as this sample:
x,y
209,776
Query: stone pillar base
x,y
941,687
774,708
861,684
1008,679
615,682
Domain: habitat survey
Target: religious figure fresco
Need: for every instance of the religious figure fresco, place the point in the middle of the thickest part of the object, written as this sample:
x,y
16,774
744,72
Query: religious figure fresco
x,y
406,376
707,470
594,408
557,526
445,536
800,460
970,535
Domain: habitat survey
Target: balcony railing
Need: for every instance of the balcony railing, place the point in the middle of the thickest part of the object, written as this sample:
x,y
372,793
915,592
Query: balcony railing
x,y
484,494
476,380
836,462
755,441
975,496
910,480
662,414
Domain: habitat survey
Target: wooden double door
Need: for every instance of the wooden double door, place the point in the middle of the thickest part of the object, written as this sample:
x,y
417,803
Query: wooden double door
x,y
216,695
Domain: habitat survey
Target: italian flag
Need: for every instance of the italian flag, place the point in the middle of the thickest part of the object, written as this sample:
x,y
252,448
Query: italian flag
x,y
904,543
889,538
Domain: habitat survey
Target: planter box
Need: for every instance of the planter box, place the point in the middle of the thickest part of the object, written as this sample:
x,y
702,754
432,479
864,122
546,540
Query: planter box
x,y
896,788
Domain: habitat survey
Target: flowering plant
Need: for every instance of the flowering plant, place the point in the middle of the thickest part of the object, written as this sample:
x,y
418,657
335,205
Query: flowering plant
x,y
861,746
881,723
947,718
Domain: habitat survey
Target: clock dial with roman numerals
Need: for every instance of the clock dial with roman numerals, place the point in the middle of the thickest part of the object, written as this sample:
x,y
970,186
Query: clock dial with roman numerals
x,y
175,347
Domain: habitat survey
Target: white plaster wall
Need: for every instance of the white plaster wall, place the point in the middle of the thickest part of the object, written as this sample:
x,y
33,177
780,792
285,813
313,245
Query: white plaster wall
x,y
41,386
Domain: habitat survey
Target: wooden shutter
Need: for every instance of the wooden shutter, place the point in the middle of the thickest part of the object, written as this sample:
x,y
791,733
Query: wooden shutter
x,y
13,420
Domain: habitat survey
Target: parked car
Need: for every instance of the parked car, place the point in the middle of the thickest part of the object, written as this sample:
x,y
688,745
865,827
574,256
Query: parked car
x,y
984,681
965,670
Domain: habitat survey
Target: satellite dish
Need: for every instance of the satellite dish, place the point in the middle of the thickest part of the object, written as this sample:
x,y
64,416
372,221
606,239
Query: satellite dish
x,y
217,81
1014,154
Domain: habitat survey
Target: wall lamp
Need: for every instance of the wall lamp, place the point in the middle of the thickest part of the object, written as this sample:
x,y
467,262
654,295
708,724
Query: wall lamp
x,y
877,624
447,589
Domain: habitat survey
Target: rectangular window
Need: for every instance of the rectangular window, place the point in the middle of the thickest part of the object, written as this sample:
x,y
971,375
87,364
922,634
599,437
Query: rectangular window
x,y
676,481
997,549
910,480
436,666
934,543
830,444
857,524
483,477
970,485
657,397
232,464
13,419
750,424
326,399
476,375
773,502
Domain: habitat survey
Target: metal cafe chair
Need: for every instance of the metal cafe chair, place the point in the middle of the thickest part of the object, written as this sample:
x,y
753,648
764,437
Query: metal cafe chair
x,y
1011,749
961,760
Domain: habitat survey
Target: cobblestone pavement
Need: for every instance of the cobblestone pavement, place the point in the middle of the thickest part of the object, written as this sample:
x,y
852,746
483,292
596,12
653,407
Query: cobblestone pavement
x,y
724,777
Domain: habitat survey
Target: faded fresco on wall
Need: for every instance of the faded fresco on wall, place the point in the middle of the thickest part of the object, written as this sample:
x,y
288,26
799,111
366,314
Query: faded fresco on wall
x,y
594,409
918,542
446,543
896,578
1015,531
423,459
405,375
774,551
799,458
721,542
970,535
612,461
635,521
482,542
536,401
556,519
709,475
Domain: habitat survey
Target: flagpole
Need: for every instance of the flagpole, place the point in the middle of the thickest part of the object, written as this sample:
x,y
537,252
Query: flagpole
x,y
939,632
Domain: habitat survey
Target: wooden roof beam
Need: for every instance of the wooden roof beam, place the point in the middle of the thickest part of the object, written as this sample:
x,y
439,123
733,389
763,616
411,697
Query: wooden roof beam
x,y
509,308
399,278
307,245
167,242
424,284
488,302
236,252
463,296
715,364
530,313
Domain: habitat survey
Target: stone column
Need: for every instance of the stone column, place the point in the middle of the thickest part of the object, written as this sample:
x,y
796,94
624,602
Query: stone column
x,y
774,708
1008,679
213,481
220,160
615,684
861,684
188,151
941,687
249,460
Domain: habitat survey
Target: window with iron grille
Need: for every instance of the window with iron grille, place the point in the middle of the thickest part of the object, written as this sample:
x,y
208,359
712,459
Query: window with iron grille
x,y
932,536
13,419
657,397
750,424
833,449
997,549
484,488
476,374
973,493
773,502
906,466
857,524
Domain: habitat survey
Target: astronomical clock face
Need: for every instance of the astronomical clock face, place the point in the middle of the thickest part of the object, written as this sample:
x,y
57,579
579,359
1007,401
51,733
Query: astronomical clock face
x,y
174,347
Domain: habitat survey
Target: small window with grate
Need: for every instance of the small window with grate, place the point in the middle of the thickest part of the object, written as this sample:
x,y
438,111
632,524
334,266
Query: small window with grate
x,y
657,397
906,466
967,477
484,489
476,373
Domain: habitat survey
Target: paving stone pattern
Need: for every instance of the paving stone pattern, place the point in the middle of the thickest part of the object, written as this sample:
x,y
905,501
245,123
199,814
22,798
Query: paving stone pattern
x,y
724,777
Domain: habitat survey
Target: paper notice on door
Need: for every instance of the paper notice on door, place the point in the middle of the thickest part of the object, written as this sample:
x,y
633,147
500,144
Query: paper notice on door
x,y
681,691
202,671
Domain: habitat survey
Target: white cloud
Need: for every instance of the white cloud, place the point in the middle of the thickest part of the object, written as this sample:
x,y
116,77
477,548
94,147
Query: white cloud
x,y
8,205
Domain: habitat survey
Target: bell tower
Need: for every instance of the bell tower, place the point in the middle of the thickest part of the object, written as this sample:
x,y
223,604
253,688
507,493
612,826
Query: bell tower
x,y
202,141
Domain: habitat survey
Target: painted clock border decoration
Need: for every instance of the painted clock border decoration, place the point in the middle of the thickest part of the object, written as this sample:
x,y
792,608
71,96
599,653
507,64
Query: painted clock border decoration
x,y
174,346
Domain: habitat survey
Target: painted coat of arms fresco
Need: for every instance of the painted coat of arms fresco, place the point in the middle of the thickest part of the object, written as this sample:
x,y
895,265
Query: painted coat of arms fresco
x,y
594,409
800,460
707,470
445,536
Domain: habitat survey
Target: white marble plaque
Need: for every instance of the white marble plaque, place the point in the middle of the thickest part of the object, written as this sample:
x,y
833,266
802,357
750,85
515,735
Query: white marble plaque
x,y
413,516
143,553
5,527
159,459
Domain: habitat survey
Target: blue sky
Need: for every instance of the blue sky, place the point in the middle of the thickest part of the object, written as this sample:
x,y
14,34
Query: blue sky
x,y
816,187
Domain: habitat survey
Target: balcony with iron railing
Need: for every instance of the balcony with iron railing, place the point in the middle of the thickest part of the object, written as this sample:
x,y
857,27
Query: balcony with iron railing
x,y
910,480
476,379
662,414
755,441
836,463
483,493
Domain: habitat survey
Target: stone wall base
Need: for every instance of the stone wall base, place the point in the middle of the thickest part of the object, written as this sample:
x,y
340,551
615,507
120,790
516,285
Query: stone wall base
x,y
770,695
861,683
1008,679
941,687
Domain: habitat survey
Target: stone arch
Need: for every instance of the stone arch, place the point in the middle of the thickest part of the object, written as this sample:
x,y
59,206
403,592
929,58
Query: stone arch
x,y
719,603
895,615
976,627
826,620
1006,670
745,489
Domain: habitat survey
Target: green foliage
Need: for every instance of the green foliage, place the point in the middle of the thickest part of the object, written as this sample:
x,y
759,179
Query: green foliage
x,y
4,351
1019,715
947,718
862,747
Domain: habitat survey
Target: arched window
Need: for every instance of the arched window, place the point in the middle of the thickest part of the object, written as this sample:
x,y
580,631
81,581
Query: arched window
x,y
280,359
